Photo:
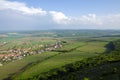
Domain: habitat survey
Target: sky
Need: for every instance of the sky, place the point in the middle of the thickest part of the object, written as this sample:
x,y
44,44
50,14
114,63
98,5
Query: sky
x,y
59,14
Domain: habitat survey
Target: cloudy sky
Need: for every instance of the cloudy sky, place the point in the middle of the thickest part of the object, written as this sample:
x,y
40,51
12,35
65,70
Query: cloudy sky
x,y
59,14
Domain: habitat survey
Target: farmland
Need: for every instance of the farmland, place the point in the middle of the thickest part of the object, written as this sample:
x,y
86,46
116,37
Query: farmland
x,y
13,67
52,50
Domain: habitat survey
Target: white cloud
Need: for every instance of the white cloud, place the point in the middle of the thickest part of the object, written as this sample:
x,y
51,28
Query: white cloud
x,y
59,17
90,19
111,21
21,7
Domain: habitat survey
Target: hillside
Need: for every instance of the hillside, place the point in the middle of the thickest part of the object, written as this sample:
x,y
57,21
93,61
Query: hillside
x,y
102,67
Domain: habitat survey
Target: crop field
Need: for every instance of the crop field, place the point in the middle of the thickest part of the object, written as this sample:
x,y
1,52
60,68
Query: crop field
x,y
29,42
16,66
63,58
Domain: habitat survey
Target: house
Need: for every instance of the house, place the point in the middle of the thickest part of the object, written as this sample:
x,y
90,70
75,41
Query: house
x,y
1,64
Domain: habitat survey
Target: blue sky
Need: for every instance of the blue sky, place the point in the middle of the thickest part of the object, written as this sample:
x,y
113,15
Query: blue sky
x,y
76,7
59,14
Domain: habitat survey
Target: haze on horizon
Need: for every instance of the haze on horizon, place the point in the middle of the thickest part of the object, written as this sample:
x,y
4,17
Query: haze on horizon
x,y
59,14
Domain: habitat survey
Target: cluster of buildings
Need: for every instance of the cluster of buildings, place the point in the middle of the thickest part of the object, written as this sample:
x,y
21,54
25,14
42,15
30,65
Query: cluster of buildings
x,y
15,54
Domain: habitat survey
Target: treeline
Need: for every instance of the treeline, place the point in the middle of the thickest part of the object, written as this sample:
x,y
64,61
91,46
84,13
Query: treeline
x,y
93,68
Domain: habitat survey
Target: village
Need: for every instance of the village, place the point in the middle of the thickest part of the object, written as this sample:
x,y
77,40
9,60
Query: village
x,y
17,53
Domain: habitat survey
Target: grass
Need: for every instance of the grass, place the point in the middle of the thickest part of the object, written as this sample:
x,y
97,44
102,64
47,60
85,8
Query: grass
x,y
14,67
70,46
61,60
52,63
93,47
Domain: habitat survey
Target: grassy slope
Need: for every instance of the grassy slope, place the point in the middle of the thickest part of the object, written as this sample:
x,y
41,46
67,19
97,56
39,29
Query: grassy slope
x,y
94,68
104,67
93,47
63,59
14,67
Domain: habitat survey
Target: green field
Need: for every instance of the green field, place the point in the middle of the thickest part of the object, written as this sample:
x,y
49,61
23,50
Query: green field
x,y
93,47
62,59
24,42
75,51
16,66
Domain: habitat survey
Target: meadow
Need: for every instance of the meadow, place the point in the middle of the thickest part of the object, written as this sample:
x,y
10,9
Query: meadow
x,y
71,55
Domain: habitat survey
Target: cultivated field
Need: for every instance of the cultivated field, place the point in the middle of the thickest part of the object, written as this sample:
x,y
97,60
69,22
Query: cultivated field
x,y
72,54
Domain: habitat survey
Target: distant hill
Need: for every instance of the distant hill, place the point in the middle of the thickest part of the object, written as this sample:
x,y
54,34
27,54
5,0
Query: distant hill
x,y
65,33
